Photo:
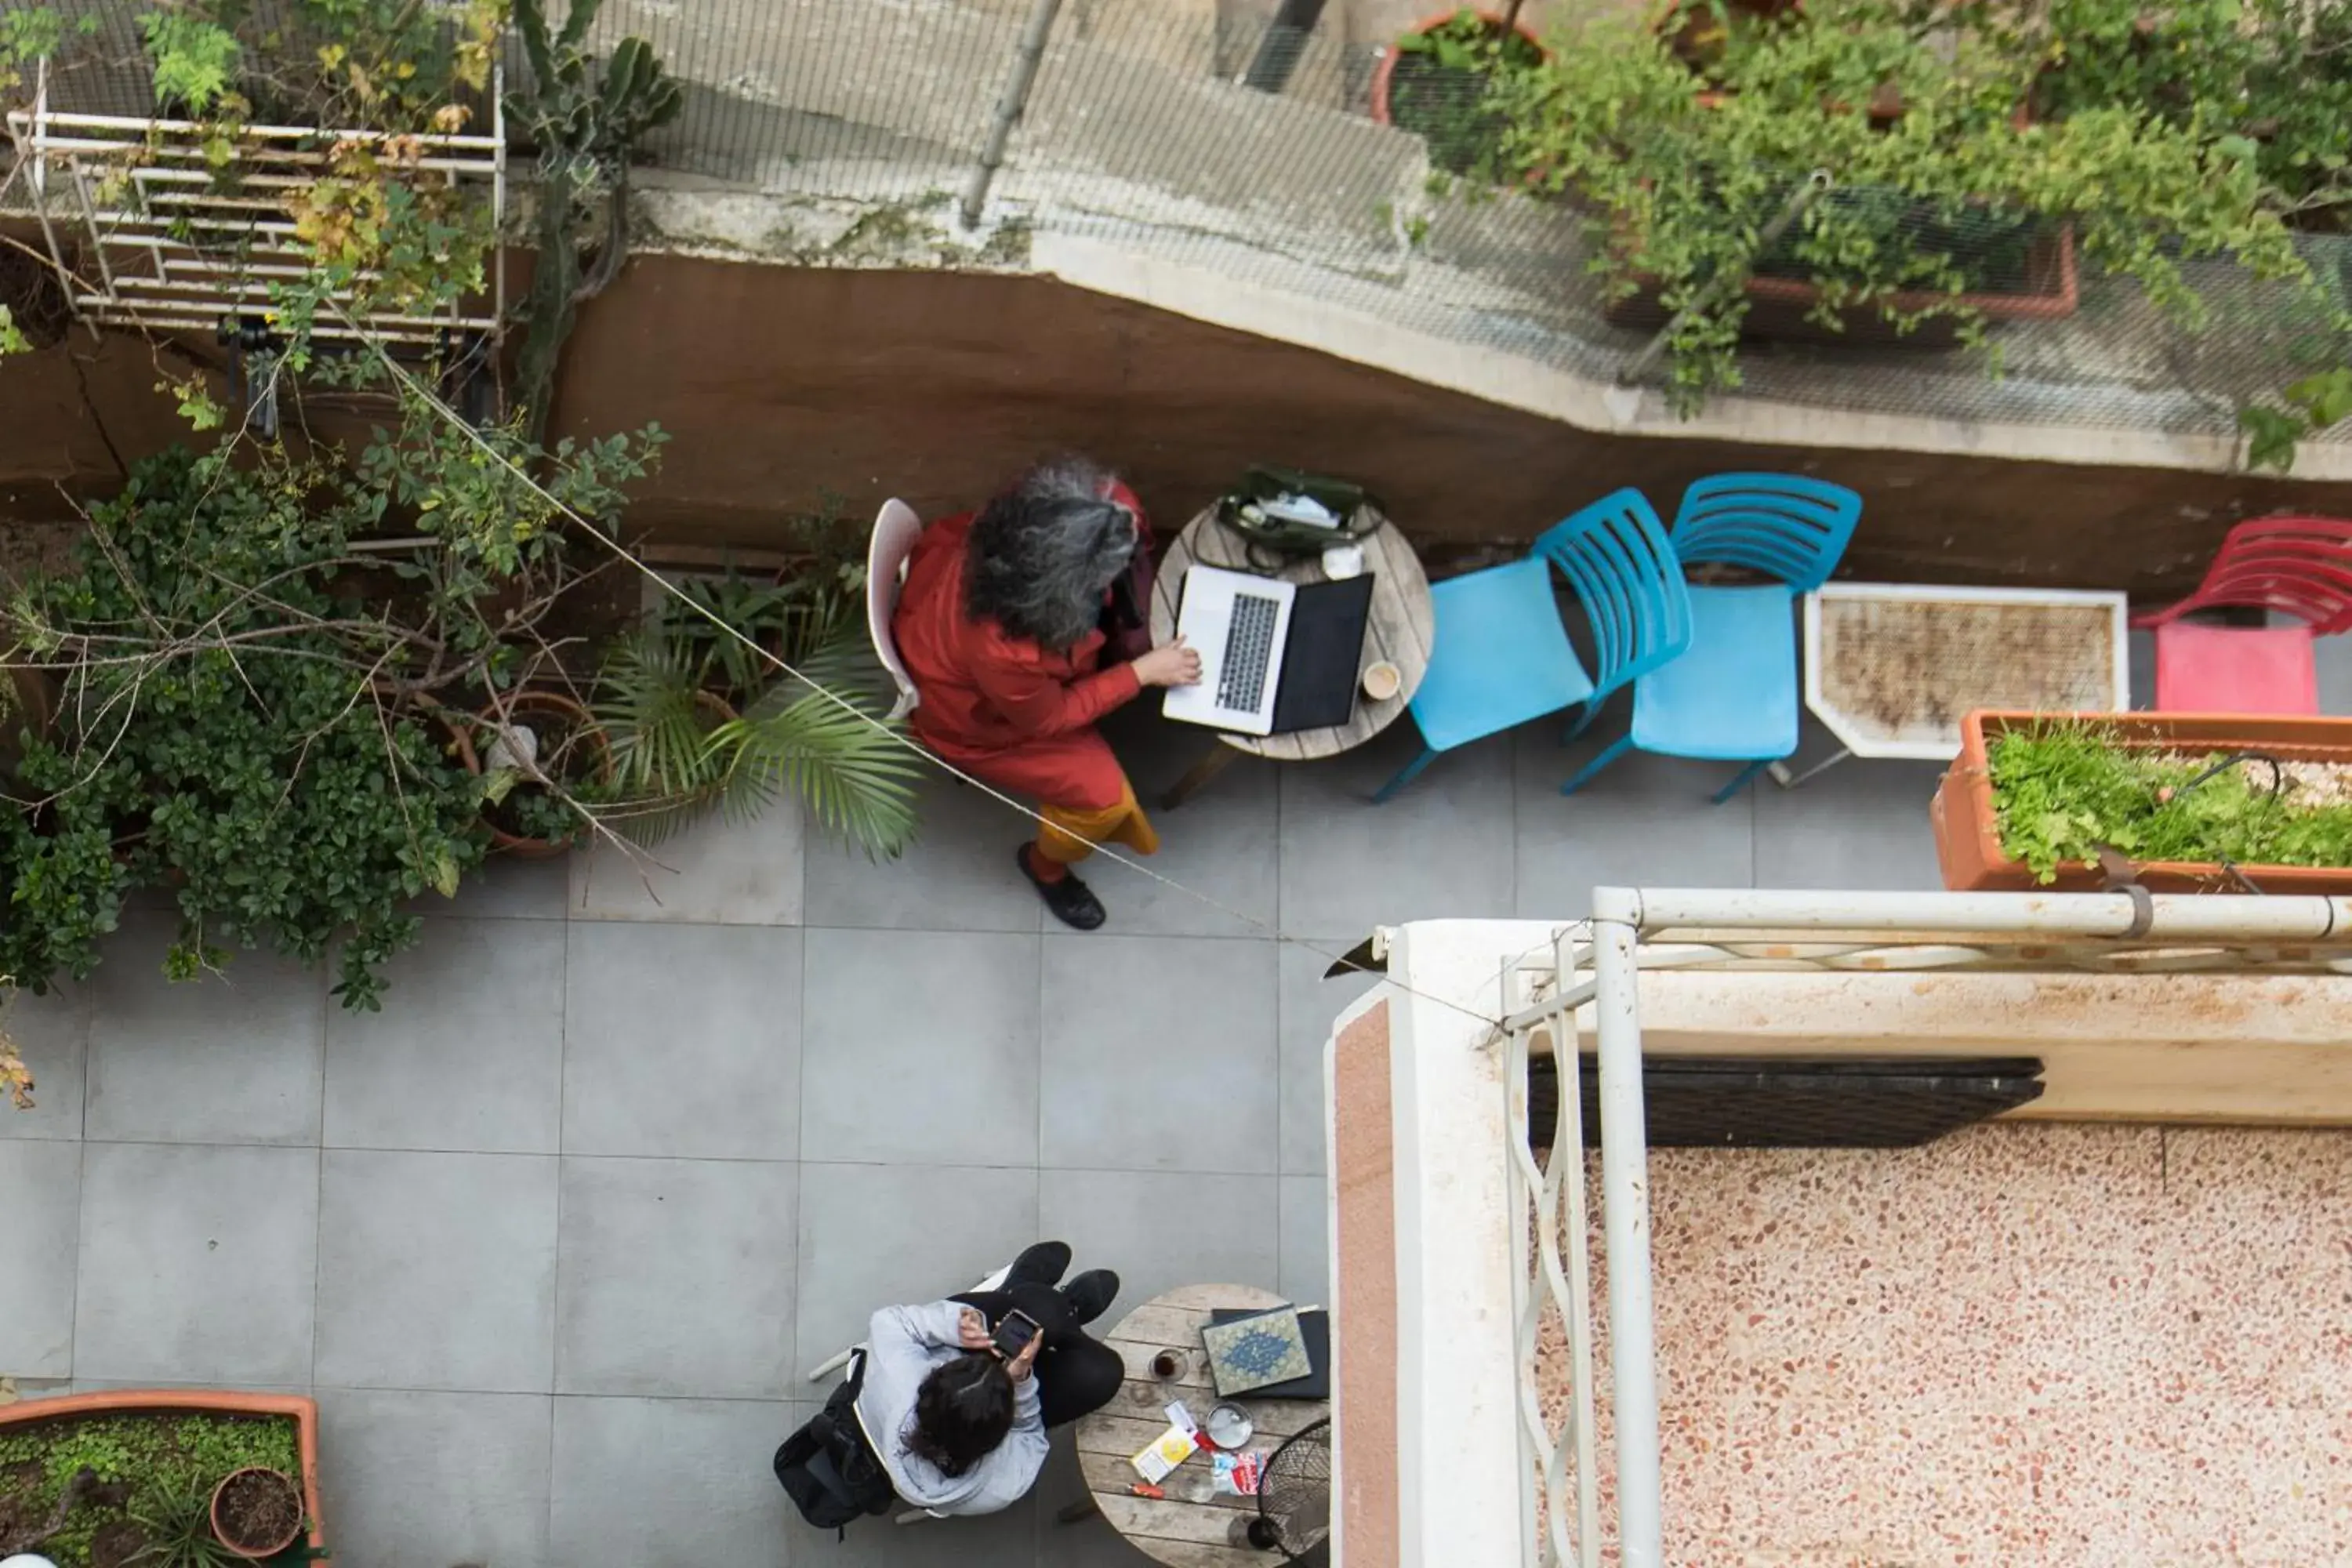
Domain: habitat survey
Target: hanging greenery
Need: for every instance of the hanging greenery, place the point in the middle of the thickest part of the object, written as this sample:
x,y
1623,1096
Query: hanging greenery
x,y
1887,155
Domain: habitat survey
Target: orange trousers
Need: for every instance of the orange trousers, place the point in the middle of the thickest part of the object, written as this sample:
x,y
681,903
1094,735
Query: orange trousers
x,y
1069,836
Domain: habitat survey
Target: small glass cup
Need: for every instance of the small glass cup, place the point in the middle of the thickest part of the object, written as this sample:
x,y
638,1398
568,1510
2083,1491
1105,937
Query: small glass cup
x,y
1168,1365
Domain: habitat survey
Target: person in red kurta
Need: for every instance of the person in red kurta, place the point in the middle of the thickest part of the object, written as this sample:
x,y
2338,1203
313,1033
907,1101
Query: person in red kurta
x,y
999,626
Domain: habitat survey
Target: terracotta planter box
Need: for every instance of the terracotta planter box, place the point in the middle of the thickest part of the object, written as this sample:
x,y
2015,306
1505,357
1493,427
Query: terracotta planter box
x,y
303,1412
1968,836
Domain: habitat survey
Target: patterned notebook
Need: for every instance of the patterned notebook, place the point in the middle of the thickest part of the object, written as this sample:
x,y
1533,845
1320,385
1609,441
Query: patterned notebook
x,y
1255,1352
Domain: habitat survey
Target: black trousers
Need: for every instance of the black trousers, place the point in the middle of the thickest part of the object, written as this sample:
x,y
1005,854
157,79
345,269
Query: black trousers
x,y
1075,1374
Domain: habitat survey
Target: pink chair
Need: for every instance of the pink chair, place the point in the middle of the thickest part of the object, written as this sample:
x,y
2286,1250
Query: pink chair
x,y
2297,566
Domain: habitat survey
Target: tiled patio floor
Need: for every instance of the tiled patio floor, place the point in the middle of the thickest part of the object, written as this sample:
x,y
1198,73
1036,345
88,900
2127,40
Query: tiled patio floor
x,y
553,1237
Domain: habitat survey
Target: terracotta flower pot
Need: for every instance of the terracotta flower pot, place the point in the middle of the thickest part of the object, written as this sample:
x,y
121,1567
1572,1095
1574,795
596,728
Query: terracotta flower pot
x,y
1968,829
1384,73
303,1412
233,1504
521,705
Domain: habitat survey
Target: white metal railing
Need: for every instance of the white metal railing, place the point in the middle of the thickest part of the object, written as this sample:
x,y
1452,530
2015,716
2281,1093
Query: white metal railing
x,y
167,241
1589,974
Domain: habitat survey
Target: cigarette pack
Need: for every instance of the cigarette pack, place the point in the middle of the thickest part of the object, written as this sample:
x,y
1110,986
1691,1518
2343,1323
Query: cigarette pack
x,y
1167,1450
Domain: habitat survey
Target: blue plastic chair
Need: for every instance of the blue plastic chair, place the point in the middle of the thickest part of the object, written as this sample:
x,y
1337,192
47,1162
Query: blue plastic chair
x,y
1733,694
1502,656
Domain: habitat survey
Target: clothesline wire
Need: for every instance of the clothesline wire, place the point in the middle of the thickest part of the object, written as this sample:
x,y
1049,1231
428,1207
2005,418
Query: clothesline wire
x,y
923,753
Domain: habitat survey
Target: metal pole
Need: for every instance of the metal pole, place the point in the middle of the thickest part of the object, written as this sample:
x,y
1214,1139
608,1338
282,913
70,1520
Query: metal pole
x,y
1802,197
1625,1215
2192,917
1284,40
1009,107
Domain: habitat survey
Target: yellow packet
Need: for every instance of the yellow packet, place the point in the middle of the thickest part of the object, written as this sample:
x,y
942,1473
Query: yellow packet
x,y
1167,1450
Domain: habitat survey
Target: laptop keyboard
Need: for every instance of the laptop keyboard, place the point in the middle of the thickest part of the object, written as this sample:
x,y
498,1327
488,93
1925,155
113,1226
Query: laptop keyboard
x,y
1249,650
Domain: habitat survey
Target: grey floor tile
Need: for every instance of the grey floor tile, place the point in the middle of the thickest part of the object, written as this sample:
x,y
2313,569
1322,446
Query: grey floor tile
x,y
427,1480
438,1271
1307,1005
919,1046
231,1058
505,887
1863,825
2334,659
1007,1539
675,1278
1644,822
716,872
1160,1229
682,1040
1306,1234
52,1036
1220,844
1160,1054
1440,849
879,1236
196,1263
41,1178
672,1483
957,875
467,1053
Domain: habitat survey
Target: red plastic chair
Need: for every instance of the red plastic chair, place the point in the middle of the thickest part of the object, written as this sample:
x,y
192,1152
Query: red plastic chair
x,y
2297,566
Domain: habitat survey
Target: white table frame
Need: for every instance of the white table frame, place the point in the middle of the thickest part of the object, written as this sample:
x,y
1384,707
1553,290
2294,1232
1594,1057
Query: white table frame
x,y
1854,742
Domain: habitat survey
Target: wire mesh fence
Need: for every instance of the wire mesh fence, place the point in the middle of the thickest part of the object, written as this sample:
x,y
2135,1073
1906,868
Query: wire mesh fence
x,y
1250,140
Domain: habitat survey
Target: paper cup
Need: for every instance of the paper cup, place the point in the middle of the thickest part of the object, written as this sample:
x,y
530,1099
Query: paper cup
x,y
1382,680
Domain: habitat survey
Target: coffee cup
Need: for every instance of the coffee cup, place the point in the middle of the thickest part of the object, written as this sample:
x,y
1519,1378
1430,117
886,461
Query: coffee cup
x,y
1382,680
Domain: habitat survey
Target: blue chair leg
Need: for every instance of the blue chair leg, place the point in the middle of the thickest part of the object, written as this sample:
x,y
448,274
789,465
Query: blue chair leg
x,y
1617,749
1576,726
1746,776
1405,775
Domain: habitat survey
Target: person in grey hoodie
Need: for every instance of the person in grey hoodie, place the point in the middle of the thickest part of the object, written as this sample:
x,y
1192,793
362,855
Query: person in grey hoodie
x,y
960,1429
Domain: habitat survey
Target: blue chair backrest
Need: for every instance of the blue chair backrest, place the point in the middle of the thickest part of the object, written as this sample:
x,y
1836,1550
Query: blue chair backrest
x,y
1615,555
1791,526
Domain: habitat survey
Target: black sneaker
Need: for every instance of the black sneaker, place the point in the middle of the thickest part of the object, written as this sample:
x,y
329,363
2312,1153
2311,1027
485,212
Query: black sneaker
x,y
1043,1264
1091,1294
1073,903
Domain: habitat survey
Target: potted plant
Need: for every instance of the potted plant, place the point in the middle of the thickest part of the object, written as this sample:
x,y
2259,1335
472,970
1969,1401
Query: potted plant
x,y
1864,164
131,1477
1433,82
2192,803
257,1511
539,753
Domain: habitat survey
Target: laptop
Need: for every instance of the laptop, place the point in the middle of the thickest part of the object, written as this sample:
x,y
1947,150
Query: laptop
x,y
1274,657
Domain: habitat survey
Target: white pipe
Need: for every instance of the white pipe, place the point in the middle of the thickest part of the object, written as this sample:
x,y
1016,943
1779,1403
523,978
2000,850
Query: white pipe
x,y
1009,108
1625,1214
2184,917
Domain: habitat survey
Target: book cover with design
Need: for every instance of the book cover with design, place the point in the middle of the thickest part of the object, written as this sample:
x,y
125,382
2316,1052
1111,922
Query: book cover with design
x,y
1252,1352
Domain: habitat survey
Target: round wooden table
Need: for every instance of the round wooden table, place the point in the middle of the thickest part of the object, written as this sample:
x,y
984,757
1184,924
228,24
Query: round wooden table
x,y
1402,628
1193,1527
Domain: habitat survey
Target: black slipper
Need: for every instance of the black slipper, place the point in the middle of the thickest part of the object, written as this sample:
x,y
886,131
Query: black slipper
x,y
1073,903
1091,1294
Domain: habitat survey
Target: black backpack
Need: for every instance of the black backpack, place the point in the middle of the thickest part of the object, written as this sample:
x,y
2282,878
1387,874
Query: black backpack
x,y
828,1468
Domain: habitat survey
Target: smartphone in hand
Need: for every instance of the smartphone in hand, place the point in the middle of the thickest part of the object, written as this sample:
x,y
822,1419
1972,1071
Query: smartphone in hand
x,y
1013,1332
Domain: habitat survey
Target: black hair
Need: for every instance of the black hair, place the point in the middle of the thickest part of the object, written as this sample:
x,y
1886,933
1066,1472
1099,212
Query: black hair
x,y
1043,552
962,1411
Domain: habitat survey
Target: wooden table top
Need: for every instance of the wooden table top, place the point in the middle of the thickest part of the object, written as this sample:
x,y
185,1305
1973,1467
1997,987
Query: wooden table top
x,y
1402,628
1195,1527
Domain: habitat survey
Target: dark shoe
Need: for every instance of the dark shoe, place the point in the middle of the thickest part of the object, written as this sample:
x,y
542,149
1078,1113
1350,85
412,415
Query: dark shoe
x,y
1091,1294
1073,903
1043,1264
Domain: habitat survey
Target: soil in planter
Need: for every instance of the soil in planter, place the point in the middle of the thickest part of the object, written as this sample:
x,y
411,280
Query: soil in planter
x,y
2064,791
259,1510
171,1448
1435,92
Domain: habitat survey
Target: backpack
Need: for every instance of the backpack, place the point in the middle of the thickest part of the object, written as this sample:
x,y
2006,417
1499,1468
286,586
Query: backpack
x,y
831,1473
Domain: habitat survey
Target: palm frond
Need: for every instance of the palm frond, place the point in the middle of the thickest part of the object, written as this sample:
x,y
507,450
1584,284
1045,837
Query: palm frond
x,y
849,766
656,724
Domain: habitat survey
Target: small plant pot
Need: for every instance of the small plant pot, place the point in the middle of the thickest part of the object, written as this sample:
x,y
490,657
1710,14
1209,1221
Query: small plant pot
x,y
548,705
256,1512
1967,826
1385,105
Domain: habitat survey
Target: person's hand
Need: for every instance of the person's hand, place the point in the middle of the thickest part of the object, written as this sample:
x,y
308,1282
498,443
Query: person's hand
x,y
1169,664
1020,1366
972,1329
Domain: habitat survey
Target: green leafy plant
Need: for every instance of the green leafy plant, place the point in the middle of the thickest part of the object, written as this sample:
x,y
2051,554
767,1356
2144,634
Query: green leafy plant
x,y
585,124
2063,792
178,1524
12,338
1911,119
2311,404
137,1460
